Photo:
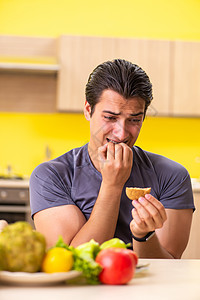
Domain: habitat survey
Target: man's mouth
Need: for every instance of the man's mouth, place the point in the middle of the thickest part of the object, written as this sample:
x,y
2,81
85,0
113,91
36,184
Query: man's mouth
x,y
115,142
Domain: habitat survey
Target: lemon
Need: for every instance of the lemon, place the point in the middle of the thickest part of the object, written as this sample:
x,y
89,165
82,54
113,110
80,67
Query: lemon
x,y
57,260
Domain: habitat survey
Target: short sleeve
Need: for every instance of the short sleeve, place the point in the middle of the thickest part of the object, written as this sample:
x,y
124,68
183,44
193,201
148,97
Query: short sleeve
x,y
175,187
48,187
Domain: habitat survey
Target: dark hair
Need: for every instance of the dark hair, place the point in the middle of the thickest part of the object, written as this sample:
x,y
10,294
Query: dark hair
x,y
121,76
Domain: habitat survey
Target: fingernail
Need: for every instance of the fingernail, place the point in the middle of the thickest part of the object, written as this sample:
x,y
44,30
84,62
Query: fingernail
x,y
141,199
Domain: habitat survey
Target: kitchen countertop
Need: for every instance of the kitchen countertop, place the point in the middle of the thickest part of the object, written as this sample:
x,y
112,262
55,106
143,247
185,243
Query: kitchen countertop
x,y
164,279
15,183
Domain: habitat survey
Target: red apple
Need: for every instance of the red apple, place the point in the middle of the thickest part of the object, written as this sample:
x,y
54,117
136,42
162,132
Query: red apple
x,y
118,265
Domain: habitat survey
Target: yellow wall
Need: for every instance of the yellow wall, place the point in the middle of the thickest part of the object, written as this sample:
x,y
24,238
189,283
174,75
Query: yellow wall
x,y
24,137
170,19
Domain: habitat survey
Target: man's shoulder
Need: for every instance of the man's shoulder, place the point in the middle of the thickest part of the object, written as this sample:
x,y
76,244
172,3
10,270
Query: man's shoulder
x,y
157,162
64,163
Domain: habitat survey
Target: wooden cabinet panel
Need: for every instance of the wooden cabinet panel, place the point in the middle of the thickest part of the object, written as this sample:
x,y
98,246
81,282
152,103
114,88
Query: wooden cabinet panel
x,y
193,247
54,72
28,47
154,57
80,55
186,79
24,92
28,74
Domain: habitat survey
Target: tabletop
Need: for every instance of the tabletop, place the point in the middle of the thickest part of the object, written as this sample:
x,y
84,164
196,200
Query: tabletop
x,y
163,279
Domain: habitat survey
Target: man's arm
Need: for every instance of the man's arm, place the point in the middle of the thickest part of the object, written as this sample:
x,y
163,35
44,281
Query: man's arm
x,y
175,233
172,229
65,221
68,221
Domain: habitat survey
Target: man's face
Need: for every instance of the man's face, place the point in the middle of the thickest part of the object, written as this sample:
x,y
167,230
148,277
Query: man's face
x,y
115,119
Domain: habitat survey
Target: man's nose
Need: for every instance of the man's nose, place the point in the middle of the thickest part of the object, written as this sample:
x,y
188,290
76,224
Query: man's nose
x,y
120,131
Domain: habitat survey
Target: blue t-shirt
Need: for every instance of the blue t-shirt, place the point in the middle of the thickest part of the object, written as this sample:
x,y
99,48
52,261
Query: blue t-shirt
x,y
72,179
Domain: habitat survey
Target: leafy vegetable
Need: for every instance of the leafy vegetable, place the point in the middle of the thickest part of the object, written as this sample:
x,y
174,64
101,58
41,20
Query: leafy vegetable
x,y
88,250
84,259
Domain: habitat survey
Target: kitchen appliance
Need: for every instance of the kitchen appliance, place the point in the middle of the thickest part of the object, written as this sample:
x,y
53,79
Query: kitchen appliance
x,y
14,200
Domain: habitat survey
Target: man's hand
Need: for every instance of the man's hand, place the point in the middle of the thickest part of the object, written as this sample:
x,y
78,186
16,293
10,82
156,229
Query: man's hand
x,y
115,163
148,214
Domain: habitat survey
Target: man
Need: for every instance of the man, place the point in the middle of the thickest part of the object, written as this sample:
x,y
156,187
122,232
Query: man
x,y
81,194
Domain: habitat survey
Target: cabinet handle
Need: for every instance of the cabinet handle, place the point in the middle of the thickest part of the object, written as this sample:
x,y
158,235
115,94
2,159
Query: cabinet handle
x,y
22,195
3,194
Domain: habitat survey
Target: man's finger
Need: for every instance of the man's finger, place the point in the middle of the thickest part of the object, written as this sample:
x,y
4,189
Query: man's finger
x,y
102,152
118,152
110,151
158,205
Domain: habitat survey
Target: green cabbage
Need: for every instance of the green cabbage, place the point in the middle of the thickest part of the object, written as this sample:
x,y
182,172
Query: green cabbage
x,y
22,248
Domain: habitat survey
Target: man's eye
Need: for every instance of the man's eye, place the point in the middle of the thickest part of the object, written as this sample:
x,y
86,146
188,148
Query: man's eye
x,y
110,118
135,120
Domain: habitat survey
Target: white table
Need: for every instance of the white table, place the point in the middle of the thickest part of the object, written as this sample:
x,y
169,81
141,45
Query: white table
x,y
164,279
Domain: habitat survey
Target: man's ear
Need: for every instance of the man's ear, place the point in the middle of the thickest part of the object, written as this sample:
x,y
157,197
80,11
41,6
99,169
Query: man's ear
x,y
87,110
